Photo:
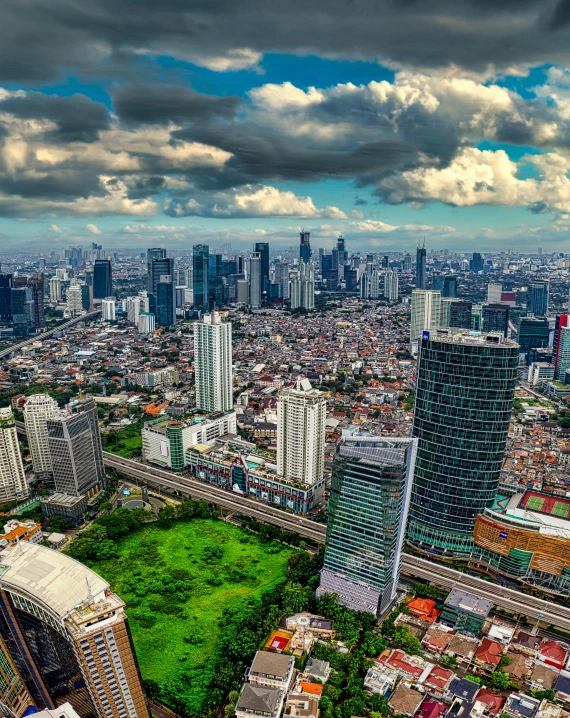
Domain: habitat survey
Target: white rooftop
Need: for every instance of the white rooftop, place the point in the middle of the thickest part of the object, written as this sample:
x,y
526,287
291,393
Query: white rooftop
x,y
50,577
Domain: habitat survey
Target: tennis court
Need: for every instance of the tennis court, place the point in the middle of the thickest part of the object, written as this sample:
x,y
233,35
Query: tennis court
x,y
534,503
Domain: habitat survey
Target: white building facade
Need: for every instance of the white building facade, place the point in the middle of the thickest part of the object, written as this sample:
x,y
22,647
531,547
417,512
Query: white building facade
x,y
37,410
213,364
12,477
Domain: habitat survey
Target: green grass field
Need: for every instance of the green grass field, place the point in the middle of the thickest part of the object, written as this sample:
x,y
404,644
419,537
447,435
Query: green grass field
x,y
535,503
177,581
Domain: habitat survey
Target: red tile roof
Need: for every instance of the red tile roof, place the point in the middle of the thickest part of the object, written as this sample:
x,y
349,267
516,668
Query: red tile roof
x,y
489,652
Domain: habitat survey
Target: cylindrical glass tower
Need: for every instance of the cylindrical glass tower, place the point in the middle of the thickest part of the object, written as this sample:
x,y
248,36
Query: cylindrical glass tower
x,y
464,398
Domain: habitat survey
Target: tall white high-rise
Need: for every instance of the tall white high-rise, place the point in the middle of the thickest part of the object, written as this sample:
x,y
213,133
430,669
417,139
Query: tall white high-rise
x,y
109,309
391,285
213,363
301,417
12,477
55,289
494,292
133,309
74,305
147,323
282,278
303,286
37,410
426,312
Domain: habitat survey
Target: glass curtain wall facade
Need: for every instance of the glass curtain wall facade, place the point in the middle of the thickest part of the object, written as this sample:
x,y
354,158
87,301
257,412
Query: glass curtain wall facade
x,y
368,506
464,399
200,268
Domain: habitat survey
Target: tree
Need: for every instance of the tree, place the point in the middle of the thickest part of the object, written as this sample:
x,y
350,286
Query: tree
x,y
295,598
499,681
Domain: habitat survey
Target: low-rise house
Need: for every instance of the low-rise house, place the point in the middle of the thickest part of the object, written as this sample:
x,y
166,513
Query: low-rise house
x,y
437,680
562,687
461,708
15,531
437,639
462,688
542,677
380,679
301,706
493,702
316,668
489,654
525,643
501,632
405,700
552,654
309,622
424,609
274,670
315,690
548,710
413,668
462,648
521,706
431,708
519,667
259,701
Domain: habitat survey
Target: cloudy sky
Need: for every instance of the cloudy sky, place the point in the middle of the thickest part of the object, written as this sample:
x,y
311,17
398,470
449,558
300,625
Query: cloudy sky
x,y
137,121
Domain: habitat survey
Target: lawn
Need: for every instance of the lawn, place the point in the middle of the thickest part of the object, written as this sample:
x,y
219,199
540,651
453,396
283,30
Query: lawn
x,y
176,583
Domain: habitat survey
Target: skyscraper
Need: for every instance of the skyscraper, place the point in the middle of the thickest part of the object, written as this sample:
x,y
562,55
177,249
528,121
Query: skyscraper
x,y
263,249
305,246
391,283
72,452
200,265
165,302
37,410
12,477
255,280
102,279
494,292
152,254
496,318
464,398
282,278
367,513
421,267
303,287
476,264
86,405
459,315
449,286
407,262
426,312
537,302
213,364
562,354
6,284
73,303
55,289
533,333
68,636
301,417
108,309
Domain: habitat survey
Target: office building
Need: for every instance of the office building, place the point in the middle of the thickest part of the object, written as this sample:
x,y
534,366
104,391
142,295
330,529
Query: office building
x,y
437,281
391,285
305,246
15,699
165,302
458,314
559,349
351,279
449,286
86,405
282,278
476,264
37,410
533,333
301,418
367,513
406,262
68,635
102,279
421,260
255,281
72,450
495,318
465,612
426,312
242,292
153,253
6,284
12,477
37,285
86,296
263,249
539,371
537,301
146,323
133,309
55,289
213,364
108,309
65,710
494,293
464,399
303,287
22,309
200,268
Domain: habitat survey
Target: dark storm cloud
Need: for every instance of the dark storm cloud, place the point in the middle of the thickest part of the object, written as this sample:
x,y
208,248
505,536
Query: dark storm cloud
x,y
57,186
40,39
78,118
162,104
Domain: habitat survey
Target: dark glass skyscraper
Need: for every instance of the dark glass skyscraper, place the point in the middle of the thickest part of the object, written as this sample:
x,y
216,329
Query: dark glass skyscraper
x,y
152,254
476,264
496,318
464,398
200,267
305,246
162,299
102,279
538,299
449,286
534,333
460,315
6,284
368,506
263,249
421,267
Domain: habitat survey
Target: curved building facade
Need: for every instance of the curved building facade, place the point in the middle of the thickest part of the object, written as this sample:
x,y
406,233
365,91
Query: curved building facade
x,y
464,398
68,635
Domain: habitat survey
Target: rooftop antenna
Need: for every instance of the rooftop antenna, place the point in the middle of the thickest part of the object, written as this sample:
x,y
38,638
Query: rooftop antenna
x,y
89,594
19,545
